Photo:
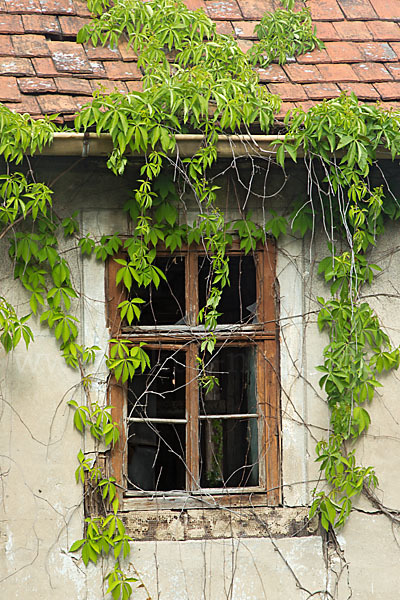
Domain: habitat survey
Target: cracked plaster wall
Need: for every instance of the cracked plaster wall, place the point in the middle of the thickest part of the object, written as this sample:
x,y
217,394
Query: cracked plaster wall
x,y
41,505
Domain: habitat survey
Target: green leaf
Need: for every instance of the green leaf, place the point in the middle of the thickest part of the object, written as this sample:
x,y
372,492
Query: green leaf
x,y
76,545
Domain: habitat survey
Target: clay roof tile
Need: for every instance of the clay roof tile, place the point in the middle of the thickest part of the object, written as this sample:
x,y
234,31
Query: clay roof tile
x,y
43,70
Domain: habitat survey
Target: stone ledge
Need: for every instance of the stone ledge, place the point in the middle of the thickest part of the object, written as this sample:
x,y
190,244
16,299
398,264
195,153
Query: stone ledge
x,y
240,522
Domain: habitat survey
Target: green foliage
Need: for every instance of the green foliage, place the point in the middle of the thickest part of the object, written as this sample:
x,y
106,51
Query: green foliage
x,y
98,420
347,272
125,359
282,35
21,198
103,534
20,134
206,381
346,480
288,4
358,351
343,124
206,86
70,224
130,310
276,225
345,136
12,328
119,584
301,219
166,201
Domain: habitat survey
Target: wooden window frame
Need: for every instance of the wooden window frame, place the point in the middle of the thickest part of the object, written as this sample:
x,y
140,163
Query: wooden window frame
x,y
264,335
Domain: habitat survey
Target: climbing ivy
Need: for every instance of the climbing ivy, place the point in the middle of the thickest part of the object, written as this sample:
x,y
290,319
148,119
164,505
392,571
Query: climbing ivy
x,y
344,136
196,80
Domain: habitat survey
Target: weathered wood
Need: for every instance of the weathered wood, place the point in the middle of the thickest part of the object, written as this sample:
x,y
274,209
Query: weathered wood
x,y
204,499
118,459
229,417
192,416
273,422
114,294
262,423
192,288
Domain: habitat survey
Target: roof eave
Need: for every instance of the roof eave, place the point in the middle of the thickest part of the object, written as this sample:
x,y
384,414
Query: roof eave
x,y
91,144
228,146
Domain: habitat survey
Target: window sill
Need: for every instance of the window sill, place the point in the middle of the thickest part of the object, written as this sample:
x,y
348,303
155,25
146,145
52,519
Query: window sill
x,y
205,499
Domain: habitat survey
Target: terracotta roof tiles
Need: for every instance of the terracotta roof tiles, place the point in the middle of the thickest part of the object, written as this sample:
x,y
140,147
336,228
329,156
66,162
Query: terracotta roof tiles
x,y
43,70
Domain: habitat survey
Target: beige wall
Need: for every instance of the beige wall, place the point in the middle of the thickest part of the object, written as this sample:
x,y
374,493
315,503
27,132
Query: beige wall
x,y
41,505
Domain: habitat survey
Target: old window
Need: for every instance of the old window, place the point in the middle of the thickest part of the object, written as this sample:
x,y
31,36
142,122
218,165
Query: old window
x,y
210,426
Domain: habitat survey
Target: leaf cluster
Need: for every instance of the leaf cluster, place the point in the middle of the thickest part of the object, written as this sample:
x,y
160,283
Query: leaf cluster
x,y
103,534
98,420
126,358
358,351
21,199
283,34
20,133
12,328
345,128
194,79
346,480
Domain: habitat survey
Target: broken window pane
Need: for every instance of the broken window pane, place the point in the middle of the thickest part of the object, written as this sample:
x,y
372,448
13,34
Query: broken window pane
x,y
228,453
160,391
239,300
164,305
229,444
234,368
156,456
156,451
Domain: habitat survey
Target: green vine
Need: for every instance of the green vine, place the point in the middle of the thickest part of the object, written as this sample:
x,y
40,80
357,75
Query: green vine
x,y
196,80
345,136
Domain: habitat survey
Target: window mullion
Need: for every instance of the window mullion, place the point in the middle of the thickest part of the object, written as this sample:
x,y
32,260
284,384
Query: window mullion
x,y
192,390
192,416
192,287
262,423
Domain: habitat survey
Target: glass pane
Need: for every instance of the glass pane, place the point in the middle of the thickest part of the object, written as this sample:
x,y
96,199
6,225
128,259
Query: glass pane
x,y
156,451
156,456
228,453
159,392
229,447
234,392
238,302
164,305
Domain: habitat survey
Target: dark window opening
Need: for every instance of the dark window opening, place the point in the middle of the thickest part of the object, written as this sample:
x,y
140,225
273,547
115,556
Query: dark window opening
x,y
156,456
160,391
234,368
166,304
228,453
156,444
239,300
228,440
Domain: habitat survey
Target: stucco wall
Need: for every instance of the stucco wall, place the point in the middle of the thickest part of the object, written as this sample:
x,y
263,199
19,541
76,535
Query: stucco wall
x,y
42,506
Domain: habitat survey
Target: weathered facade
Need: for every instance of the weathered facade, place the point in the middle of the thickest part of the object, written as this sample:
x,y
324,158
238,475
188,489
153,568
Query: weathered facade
x,y
187,545
203,545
